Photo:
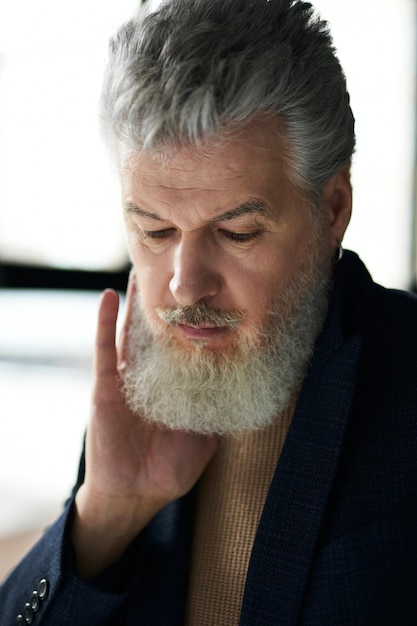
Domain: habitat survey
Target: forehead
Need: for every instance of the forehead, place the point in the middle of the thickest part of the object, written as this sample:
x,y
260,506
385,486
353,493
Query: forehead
x,y
248,154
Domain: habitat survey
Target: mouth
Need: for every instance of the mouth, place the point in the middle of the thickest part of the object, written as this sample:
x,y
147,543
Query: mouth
x,y
201,325
202,332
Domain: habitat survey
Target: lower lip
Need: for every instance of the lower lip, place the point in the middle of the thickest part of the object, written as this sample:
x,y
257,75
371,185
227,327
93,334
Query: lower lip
x,y
193,332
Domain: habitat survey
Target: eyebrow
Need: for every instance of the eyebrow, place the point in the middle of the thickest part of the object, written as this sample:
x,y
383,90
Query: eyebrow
x,y
133,208
252,206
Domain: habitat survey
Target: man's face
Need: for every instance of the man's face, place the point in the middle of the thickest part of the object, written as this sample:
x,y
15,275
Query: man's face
x,y
220,225
233,276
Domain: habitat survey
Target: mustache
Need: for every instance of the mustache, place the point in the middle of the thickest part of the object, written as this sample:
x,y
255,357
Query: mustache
x,y
200,314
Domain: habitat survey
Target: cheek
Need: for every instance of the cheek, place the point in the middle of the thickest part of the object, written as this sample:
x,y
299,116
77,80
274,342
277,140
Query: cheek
x,y
258,285
153,277
153,280
253,290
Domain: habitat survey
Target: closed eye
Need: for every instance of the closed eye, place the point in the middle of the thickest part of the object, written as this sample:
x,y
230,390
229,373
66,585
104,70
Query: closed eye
x,y
158,234
241,237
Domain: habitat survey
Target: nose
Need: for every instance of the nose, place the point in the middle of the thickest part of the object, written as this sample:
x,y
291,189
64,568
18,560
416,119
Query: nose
x,y
194,271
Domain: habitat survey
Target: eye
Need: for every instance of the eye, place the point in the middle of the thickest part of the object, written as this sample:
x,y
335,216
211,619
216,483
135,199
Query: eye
x,y
158,234
241,237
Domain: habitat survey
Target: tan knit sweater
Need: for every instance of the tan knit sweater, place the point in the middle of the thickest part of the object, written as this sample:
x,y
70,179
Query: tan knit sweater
x,y
230,502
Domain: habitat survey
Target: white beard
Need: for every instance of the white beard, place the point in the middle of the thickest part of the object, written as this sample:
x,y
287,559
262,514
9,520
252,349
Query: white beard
x,y
242,389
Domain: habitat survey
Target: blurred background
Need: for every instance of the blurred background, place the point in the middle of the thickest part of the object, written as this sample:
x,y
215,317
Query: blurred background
x,y
61,237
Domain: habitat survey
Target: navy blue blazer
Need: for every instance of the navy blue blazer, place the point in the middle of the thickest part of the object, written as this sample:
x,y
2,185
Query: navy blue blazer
x,y
337,541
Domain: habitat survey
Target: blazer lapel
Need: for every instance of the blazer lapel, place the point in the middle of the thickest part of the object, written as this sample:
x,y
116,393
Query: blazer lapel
x,y
294,509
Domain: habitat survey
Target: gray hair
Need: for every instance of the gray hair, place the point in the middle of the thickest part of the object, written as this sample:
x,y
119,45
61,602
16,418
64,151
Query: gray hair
x,y
197,69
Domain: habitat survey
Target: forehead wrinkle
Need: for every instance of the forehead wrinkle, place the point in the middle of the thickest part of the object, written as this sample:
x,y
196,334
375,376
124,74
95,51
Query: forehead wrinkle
x,y
203,181
175,174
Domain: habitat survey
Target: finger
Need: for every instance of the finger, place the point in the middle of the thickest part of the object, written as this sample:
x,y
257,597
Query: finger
x,y
105,360
131,293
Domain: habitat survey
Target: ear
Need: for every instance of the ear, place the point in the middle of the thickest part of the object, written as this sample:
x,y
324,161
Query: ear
x,y
337,201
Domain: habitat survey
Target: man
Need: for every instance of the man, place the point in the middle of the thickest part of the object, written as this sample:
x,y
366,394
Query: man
x,y
246,327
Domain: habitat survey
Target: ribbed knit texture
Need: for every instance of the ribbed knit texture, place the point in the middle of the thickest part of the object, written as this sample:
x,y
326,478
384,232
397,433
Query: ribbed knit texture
x,y
230,502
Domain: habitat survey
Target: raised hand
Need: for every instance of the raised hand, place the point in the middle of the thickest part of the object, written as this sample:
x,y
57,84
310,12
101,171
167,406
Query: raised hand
x,y
132,469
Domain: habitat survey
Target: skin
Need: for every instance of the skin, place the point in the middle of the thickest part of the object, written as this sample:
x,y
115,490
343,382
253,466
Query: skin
x,y
225,226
